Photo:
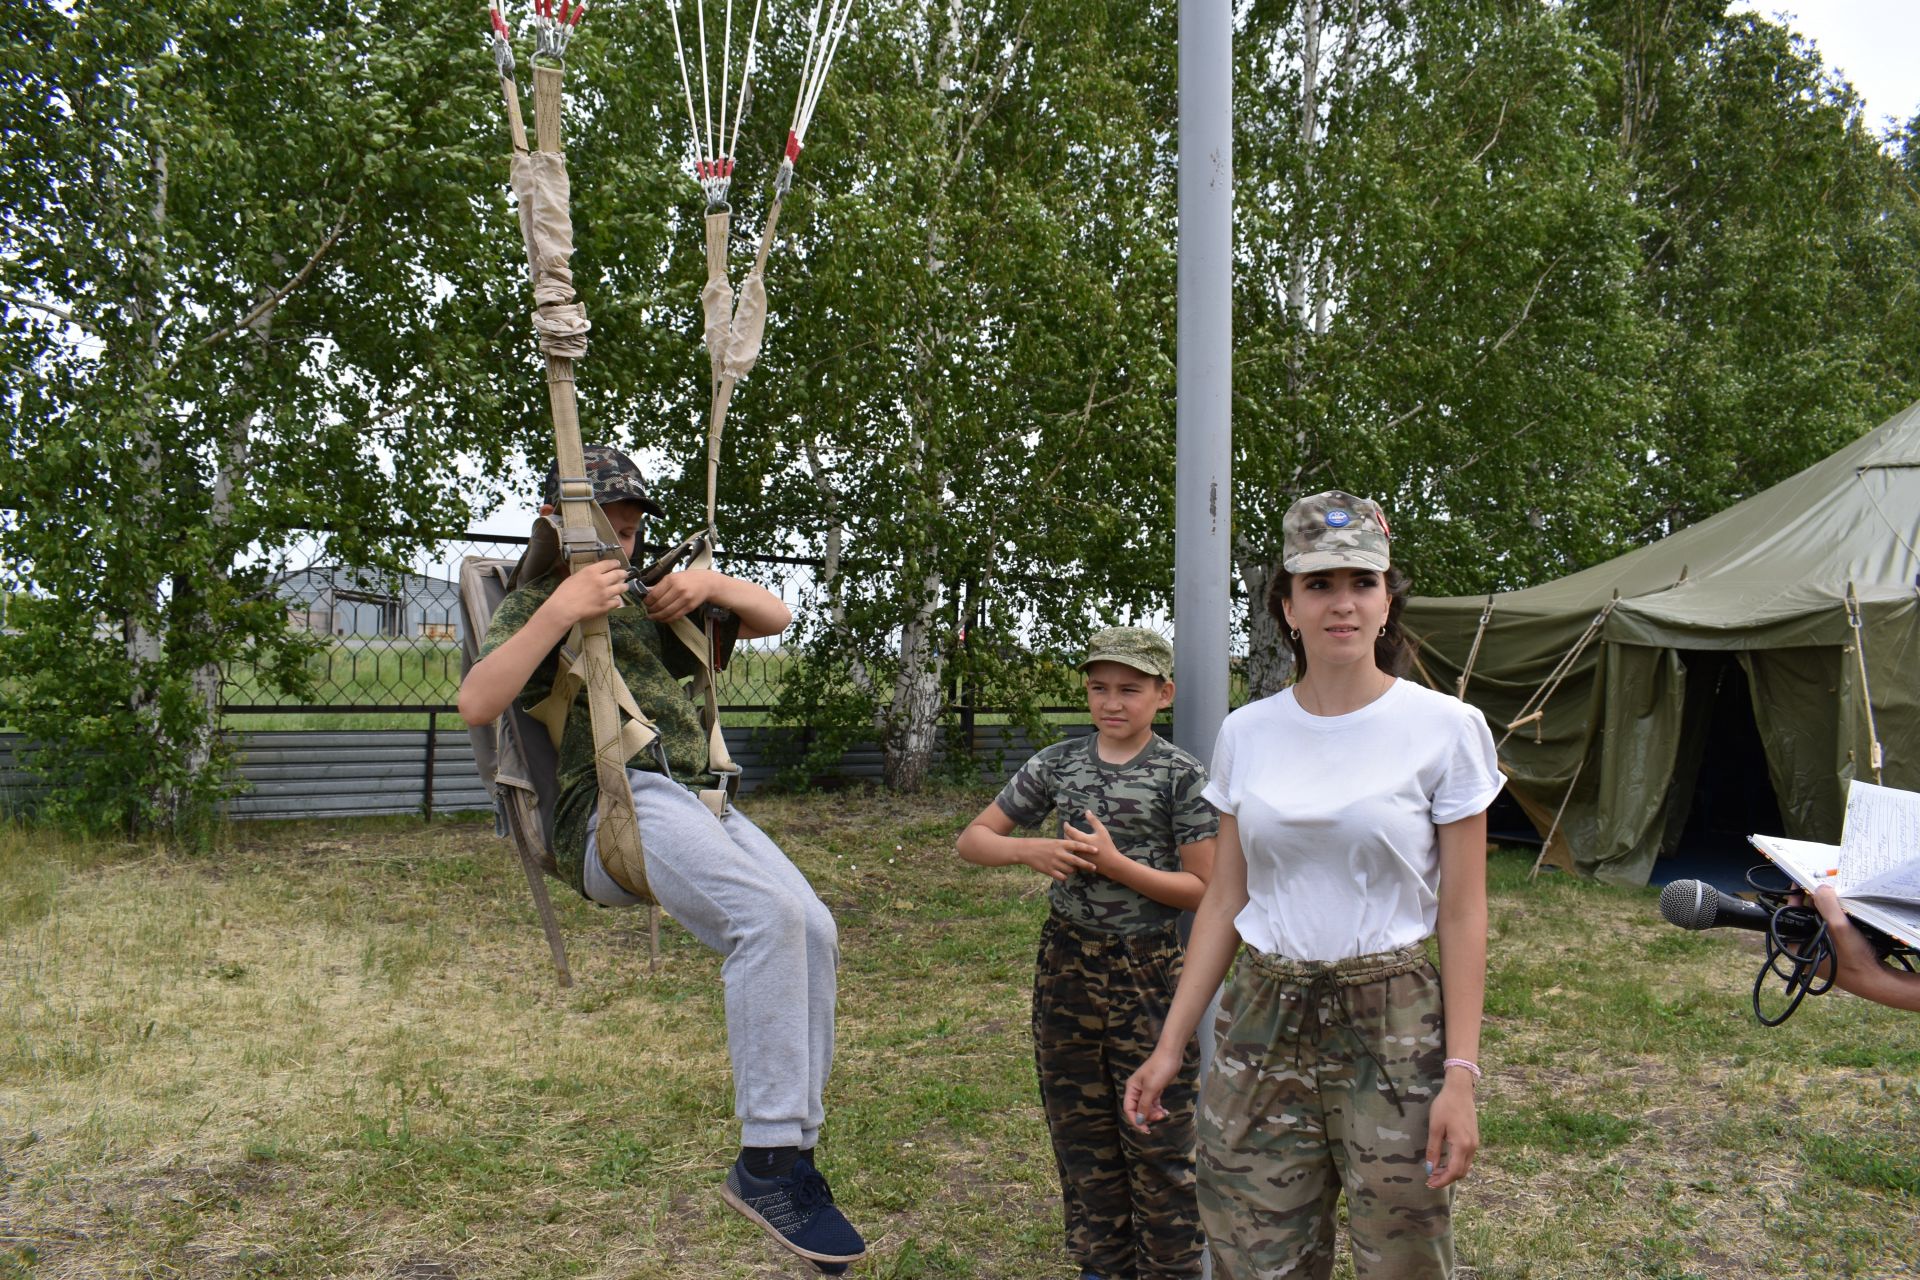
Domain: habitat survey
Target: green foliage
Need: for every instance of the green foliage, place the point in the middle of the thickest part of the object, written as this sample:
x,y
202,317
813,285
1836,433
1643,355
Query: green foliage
x,y
1549,280
1776,273
969,399
249,290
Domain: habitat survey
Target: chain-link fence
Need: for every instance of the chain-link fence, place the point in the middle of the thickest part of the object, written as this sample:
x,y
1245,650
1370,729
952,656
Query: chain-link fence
x,y
389,642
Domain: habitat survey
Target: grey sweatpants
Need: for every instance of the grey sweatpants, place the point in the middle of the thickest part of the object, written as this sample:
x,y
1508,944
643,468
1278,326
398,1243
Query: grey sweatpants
x,y
731,887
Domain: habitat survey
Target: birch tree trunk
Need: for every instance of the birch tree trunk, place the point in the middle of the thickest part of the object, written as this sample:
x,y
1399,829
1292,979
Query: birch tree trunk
x,y
1269,660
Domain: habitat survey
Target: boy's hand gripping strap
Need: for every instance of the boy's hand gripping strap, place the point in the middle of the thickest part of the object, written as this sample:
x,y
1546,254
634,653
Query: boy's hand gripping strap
x,y
541,185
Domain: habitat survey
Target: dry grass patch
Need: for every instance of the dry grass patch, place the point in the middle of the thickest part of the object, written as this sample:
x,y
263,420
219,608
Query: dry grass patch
x,y
338,1050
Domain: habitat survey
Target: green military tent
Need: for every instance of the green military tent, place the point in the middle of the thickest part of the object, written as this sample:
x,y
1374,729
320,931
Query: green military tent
x,y
1779,639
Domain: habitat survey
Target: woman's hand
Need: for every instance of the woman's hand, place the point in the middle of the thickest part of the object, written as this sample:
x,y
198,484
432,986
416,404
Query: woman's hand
x,y
1144,1087
1453,1132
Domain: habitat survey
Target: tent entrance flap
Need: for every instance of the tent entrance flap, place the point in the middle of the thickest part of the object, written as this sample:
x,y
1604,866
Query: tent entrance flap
x,y
1722,788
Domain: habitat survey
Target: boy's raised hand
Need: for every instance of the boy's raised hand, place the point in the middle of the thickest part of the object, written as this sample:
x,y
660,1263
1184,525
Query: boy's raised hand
x,y
1093,833
590,592
680,593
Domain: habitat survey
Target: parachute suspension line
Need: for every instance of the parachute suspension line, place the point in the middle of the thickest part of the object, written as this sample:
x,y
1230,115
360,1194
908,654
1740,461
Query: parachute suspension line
x,y
713,142
726,69
746,74
697,157
836,31
706,93
823,42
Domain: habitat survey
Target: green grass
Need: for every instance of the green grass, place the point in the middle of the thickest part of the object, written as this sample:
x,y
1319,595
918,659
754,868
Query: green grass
x,y
338,1049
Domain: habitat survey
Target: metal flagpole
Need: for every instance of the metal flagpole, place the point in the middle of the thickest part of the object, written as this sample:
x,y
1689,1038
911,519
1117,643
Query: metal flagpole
x,y
1203,458
1203,447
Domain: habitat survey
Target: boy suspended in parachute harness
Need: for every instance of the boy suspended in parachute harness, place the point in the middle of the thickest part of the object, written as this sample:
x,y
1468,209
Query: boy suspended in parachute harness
x,y
642,814
719,876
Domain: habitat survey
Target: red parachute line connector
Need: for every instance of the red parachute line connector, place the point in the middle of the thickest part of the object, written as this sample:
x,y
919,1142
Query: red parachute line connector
x,y
793,146
500,25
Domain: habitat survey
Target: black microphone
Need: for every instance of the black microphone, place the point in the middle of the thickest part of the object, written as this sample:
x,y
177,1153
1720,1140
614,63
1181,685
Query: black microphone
x,y
1694,904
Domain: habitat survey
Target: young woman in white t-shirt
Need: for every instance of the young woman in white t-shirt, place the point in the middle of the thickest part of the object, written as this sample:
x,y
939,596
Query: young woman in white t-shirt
x,y
1353,827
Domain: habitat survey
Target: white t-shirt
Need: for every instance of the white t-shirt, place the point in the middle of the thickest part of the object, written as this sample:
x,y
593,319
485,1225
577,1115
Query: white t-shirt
x,y
1337,815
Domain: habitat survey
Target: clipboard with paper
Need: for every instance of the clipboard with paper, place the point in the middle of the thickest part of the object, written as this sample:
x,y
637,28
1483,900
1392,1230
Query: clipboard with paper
x,y
1875,869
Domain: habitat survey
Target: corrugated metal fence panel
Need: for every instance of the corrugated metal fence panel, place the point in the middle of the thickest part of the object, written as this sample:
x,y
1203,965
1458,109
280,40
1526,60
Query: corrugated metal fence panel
x,y
16,784
314,774
318,774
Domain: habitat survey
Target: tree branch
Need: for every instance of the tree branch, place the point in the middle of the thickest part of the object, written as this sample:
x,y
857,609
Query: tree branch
x,y
1499,342
49,308
274,299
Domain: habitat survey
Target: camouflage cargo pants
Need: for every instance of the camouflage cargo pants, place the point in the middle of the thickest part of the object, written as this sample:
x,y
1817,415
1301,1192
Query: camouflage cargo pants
x,y
1321,1083
1098,1001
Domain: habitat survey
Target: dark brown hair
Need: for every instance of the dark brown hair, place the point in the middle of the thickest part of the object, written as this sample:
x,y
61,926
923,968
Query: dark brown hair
x,y
1392,651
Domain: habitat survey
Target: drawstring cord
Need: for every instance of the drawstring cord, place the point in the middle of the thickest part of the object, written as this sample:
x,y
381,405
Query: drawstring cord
x,y
1325,987
1325,983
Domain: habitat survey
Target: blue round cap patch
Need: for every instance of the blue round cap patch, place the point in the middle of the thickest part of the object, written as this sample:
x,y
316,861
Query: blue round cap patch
x,y
1338,519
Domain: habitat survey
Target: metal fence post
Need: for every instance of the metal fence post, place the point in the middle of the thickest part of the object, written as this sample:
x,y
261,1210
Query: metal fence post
x,y
433,743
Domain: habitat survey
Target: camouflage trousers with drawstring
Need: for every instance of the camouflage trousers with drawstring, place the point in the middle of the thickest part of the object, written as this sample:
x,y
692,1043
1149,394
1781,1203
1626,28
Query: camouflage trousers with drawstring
x,y
1322,1081
1099,999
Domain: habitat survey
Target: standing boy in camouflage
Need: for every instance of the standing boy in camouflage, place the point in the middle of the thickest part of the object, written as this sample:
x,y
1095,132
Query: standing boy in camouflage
x,y
720,877
1135,849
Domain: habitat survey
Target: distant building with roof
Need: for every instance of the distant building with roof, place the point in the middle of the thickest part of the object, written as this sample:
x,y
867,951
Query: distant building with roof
x,y
351,603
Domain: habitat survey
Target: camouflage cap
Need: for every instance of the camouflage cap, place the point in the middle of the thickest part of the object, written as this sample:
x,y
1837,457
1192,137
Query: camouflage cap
x,y
1135,647
615,479
1335,530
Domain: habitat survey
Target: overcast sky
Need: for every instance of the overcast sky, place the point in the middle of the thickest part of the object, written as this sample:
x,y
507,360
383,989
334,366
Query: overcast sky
x,y
1874,43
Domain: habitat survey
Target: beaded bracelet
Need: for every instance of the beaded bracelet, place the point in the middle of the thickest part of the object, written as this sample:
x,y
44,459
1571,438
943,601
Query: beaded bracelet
x,y
1472,1067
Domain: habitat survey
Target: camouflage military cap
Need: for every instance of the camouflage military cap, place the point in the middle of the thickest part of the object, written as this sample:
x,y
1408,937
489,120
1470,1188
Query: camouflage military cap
x,y
1135,647
1335,530
615,479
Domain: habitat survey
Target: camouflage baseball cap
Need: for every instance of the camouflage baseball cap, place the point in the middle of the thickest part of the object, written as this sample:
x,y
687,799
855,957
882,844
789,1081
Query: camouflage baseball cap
x,y
615,479
1335,530
1135,647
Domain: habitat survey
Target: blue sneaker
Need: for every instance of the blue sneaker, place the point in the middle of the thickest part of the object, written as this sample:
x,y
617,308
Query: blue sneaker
x,y
805,1162
798,1212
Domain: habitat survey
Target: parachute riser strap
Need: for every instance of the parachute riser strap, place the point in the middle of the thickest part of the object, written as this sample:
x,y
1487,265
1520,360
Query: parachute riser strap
x,y
509,89
586,538
723,383
705,684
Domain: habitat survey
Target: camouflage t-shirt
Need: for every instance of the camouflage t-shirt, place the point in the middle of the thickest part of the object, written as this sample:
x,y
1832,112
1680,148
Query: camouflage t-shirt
x,y
653,666
1151,805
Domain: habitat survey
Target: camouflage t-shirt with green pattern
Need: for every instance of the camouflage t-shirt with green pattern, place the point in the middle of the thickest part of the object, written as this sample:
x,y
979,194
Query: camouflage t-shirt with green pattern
x,y
653,665
1151,805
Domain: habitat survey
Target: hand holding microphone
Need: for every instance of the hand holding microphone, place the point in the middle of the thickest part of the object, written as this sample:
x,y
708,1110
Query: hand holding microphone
x,y
1694,904
1809,948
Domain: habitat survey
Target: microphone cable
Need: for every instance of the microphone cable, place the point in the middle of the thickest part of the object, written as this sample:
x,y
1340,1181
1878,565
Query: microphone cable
x,y
1798,947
